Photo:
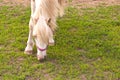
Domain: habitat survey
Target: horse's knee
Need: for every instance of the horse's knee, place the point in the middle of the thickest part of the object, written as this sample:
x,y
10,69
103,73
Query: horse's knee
x,y
31,24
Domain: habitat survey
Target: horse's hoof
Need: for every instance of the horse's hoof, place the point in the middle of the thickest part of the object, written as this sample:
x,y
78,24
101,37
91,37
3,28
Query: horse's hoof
x,y
51,44
29,52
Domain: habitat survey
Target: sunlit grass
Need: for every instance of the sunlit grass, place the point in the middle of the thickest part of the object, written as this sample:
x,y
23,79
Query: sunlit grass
x,y
87,46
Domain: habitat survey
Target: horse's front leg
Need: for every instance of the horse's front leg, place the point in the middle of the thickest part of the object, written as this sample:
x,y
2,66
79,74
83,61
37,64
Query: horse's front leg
x,y
30,42
51,41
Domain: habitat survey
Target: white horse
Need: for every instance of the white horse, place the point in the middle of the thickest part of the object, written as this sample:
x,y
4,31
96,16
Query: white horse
x,y
42,25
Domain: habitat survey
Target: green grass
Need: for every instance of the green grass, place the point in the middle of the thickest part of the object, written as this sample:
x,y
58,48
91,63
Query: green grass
x,y
87,46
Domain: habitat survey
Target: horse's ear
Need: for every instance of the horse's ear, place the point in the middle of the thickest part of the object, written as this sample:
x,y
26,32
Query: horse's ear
x,y
48,20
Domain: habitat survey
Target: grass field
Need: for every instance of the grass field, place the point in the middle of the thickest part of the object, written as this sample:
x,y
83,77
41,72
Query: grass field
x,y
87,46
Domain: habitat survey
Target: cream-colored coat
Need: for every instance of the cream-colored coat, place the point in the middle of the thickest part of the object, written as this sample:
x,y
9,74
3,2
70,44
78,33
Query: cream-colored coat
x,y
42,24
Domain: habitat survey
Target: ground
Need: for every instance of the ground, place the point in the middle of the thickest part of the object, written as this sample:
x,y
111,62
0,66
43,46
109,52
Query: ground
x,y
87,43
78,3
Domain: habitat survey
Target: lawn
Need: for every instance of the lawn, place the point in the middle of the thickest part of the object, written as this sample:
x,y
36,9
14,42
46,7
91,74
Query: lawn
x,y
87,46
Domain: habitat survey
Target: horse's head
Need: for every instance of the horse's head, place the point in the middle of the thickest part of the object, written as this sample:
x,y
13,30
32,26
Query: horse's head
x,y
43,35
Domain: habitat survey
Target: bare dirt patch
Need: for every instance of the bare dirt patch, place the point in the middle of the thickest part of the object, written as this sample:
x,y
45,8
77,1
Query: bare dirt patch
x,y
93,3
15,2
76,3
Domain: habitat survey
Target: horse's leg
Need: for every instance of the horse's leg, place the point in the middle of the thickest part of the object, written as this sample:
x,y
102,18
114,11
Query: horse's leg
x,y
51,38
51,41
30,42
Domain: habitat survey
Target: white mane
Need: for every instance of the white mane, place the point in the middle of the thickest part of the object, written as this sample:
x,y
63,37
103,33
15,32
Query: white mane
x,y
49,9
